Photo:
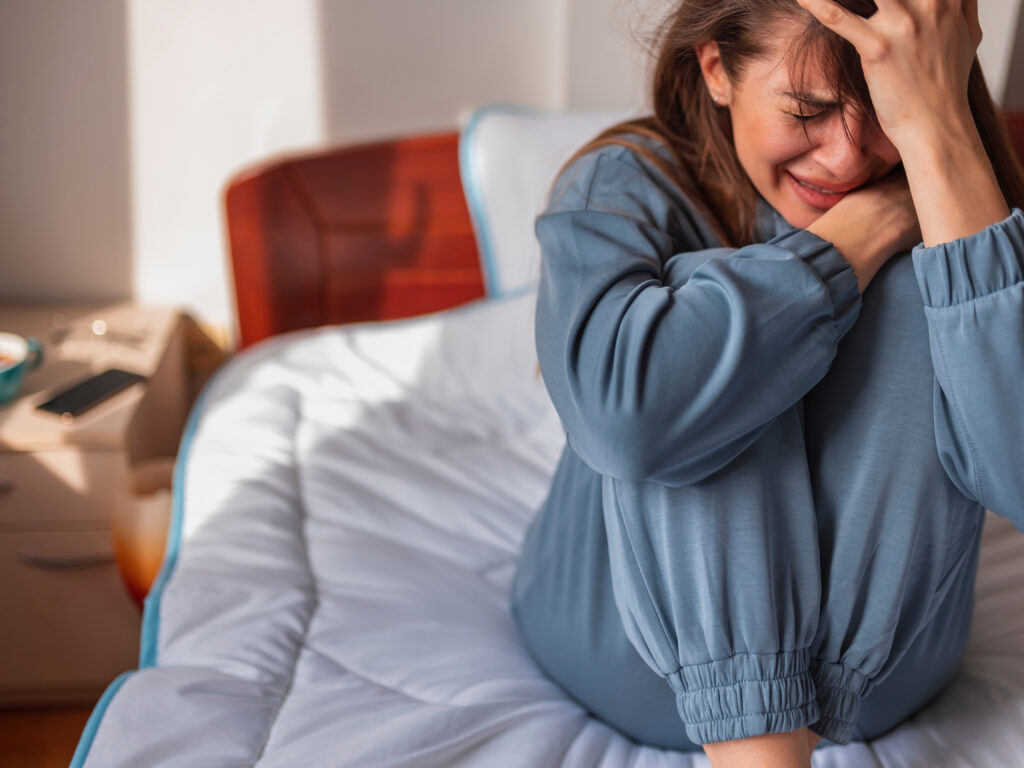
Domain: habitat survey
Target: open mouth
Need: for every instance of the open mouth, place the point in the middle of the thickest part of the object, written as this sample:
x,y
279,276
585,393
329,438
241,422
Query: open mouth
x,y
817,189
815,196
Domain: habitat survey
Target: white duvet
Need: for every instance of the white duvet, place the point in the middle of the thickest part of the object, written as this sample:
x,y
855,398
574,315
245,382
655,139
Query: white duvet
x,y
350,503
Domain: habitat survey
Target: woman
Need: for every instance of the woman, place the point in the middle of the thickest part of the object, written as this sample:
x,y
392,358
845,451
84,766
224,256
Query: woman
x,y
783,427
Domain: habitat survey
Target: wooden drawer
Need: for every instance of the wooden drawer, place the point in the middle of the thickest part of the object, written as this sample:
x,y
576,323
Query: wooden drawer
x,y
60,486
69,626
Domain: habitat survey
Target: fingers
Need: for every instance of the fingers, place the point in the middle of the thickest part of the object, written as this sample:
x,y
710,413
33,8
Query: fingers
x,y
865,34
844,23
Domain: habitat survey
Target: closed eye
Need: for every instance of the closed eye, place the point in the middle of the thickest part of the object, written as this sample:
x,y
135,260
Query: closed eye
x,y
803,118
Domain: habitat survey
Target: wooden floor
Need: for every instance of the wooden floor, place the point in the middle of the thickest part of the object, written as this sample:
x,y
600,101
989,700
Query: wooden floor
x,y
40,738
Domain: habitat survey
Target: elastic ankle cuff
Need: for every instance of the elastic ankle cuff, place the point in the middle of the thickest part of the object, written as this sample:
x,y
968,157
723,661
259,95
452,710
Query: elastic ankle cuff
x,y
745,695
839,690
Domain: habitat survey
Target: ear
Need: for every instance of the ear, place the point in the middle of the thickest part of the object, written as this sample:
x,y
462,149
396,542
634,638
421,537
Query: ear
x,y
715,78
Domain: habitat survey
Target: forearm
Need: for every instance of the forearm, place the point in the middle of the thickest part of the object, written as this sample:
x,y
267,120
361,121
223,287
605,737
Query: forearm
x,y
856,243
669,382
869,226
955,190
973,294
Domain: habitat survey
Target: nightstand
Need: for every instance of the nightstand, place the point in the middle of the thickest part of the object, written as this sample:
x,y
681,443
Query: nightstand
x,y
70,625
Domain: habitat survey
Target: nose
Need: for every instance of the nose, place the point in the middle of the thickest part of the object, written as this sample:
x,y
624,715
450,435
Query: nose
x,y
845,151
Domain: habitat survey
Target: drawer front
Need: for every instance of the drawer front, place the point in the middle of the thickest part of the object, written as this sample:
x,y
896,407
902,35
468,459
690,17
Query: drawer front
x,y
60,486
69,626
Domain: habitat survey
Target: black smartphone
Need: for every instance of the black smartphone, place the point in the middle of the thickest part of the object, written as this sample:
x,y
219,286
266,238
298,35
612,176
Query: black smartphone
x,y
94,390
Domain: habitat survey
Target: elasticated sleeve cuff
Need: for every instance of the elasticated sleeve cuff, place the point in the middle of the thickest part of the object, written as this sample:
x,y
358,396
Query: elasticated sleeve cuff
x,y
834,270
745,695
839,690
974,266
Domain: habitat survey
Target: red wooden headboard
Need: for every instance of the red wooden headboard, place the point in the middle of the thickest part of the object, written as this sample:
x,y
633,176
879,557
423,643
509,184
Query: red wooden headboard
x,y
369,232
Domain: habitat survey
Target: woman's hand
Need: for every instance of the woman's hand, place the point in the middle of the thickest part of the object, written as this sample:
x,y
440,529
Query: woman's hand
x,y
917,57
871,225
892,205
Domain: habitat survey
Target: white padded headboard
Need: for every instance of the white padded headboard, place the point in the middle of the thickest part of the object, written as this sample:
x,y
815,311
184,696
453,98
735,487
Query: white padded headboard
x,y
508,157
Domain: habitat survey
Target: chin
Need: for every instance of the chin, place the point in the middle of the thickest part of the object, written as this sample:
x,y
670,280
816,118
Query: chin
x,y
795,211
800,218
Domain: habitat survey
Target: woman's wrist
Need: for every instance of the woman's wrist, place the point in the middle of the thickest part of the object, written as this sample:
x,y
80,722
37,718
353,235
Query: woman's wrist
x,y
867,229
955,190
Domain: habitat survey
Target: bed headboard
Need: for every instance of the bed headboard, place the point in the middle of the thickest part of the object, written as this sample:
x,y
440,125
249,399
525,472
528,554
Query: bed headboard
x,y
375,231
369,232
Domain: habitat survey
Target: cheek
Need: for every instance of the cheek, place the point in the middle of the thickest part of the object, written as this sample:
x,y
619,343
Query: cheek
x,y
889,153
766,148
880,146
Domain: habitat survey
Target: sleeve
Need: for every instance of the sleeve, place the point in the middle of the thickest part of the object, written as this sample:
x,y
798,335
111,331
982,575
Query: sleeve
x,y
667,380
973,291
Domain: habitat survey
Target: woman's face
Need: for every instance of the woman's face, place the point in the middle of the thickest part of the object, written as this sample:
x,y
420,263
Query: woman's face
x,y
801,173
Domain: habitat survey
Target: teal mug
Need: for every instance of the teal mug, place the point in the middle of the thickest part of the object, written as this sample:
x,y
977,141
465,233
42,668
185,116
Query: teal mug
x,y
18,356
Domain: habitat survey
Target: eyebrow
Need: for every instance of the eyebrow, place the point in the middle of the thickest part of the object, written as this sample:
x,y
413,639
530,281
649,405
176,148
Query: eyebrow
x,y
809,99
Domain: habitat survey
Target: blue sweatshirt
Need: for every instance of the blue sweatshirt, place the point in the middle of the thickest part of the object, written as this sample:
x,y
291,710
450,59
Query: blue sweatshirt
x,y
773,487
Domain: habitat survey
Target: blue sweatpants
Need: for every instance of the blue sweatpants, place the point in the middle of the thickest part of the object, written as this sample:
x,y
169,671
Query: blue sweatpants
x,y
768,512
565,611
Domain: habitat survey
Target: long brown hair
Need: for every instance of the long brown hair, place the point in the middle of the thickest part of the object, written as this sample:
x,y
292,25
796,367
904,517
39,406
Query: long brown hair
x,y
698,134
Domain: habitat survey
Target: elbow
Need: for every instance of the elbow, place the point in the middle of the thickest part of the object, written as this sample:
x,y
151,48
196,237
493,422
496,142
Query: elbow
x,y
654,449
631,450
612,446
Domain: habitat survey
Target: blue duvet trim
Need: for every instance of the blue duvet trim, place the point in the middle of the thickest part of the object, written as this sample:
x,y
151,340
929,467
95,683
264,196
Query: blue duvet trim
x,y
85,741
470,174
151,612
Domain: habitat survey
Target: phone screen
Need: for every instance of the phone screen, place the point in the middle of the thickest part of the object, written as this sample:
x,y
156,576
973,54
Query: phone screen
x,y
94,390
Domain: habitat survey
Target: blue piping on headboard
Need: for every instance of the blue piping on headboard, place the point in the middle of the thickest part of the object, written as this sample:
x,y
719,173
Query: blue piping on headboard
x,y
470,174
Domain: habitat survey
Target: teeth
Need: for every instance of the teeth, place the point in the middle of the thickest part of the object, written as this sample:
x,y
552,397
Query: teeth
x,y
816,189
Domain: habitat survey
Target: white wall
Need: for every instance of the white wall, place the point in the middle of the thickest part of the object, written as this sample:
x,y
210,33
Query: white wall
x,y
121,120
605,55
65,195
1013,90
1000,22
214,86
399,66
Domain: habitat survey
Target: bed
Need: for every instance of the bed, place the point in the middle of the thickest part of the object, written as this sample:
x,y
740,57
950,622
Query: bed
x,y
354,484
